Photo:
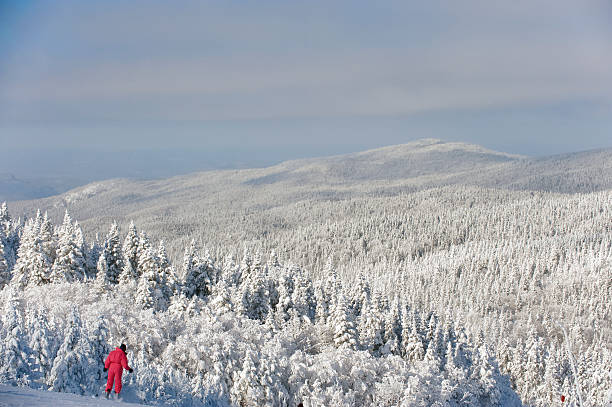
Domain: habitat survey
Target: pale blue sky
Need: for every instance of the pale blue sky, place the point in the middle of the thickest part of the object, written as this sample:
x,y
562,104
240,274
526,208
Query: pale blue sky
x,y
255,82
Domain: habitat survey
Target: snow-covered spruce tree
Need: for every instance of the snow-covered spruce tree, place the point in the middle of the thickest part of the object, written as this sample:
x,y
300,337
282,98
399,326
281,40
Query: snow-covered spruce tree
x,y
5,221
255,294
230,271
48,239
248,389
257,265
42,344
345,333
271,273
199,273
190,265
14,367
5,273
69,371
207,275
149,292
361,293
327,293
371,328
9,235
69,262
145,249
412,344
303,297
406,322
221,300
244,268
551,388
285,291
110,262
96,348
271,377
432,356
166,274
92,255
484,373
534,367
79,242
393,328
32,265
129,250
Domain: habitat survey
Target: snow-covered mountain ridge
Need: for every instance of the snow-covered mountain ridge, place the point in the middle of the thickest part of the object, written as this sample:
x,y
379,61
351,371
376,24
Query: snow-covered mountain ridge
x,y
411,167
412,160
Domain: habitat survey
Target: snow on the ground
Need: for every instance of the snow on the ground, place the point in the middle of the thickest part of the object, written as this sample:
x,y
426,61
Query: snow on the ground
x,y
25,397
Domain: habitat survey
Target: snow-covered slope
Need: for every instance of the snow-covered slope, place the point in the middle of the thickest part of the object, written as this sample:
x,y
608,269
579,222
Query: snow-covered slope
x,y
428,157
184,207
11,396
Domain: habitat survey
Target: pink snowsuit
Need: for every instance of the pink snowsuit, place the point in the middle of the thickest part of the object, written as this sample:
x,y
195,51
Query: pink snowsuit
x,y
115,362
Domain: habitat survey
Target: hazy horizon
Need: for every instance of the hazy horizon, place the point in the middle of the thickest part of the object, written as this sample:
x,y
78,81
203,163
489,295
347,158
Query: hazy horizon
x,y
97,90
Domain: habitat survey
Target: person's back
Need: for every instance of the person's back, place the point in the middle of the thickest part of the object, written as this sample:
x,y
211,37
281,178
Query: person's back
x,y
118,357
115,362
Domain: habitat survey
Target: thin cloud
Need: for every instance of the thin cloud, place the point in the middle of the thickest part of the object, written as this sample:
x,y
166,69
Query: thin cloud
x,y
215,62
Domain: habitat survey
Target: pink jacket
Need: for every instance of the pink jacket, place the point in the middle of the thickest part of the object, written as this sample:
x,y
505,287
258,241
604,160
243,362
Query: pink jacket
x,y
117,359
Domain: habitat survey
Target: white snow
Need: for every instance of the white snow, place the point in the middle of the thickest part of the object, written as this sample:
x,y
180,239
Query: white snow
x,y
25,397
86,192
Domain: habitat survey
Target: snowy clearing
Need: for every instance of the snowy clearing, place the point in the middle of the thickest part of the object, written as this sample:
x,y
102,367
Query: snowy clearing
x,y
11,396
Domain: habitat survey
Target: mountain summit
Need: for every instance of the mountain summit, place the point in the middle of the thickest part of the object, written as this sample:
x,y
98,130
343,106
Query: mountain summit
x,y
427,157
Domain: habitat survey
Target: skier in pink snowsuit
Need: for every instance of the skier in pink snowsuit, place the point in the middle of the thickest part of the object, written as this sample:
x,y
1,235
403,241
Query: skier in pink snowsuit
x,y
115,362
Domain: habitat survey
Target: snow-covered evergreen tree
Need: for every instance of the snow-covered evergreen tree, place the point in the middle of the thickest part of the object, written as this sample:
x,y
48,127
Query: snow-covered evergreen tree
x,y
47,239
327,294
190,265
69,371
345,333
361,293
393,328
92,255
371,328
69,262
33,266
110,262
286,286
9,236
412,344
199,273
166,274
42,345
150,292
248,389
96,348
5,273
130,253
255,294
303,297
13,345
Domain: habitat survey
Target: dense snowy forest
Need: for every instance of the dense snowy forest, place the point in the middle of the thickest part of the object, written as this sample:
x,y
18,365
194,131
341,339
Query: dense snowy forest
x,y
248,333
422,310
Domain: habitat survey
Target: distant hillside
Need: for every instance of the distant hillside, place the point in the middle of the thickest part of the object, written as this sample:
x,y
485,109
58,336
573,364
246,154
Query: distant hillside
x,y
218,205
422,158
